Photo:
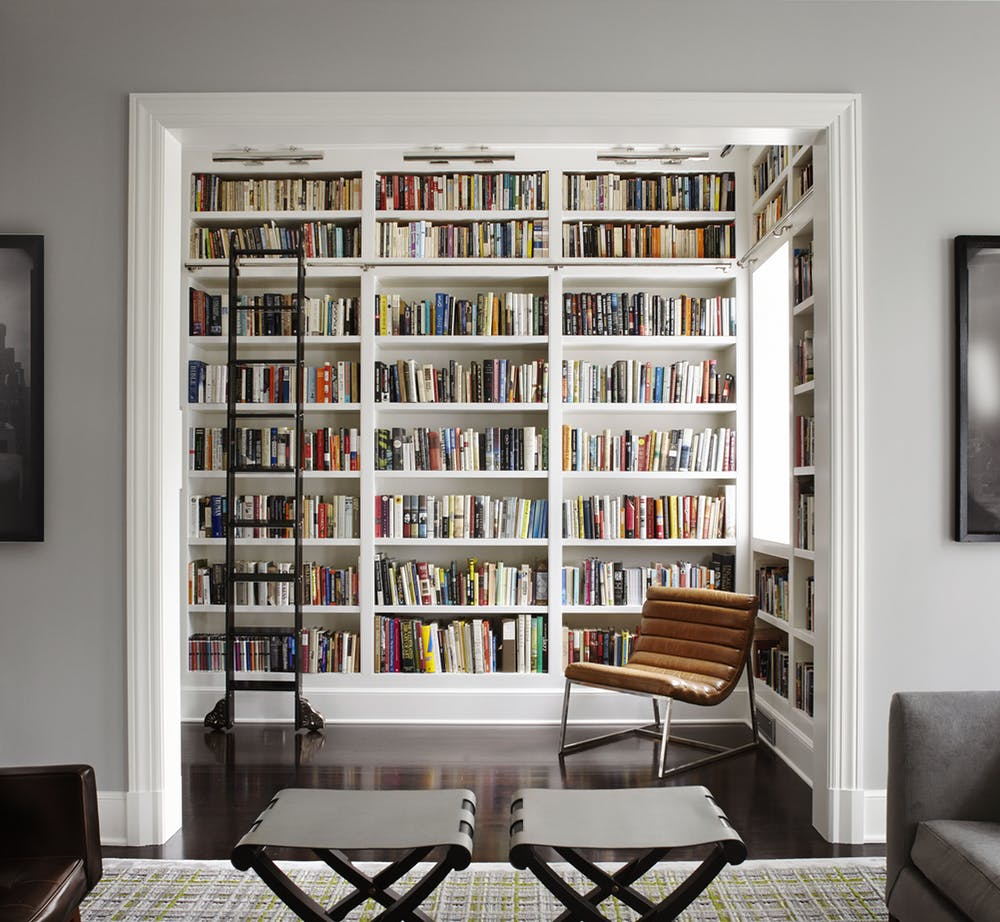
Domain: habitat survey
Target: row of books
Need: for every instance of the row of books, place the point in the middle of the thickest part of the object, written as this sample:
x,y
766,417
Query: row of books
x,y
456,515
211,192
514,239
802,274
804,361
770,660
322,516
635,381
319,240
804,692
272,448
274,649
649,192
516,643
804,180
608,646
642,313
775,159
765,219
452,448
772,591
597,582
509,313
650,517
489,381
321,584
462,191
810,603
805,441
275,382
684,449
805,517
474,582
272,315
615,240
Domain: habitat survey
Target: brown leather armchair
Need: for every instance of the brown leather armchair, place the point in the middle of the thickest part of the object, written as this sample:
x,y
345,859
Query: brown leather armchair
x,y
50,850
693,645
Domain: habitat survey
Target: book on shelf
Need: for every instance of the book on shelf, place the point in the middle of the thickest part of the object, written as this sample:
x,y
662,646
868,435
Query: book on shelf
x,y
606,645
273,649
647,517
323,240
636,381
487,314
506,191
212,192
526,238
653,192
596,582
647,314
479,645
452,448
628,240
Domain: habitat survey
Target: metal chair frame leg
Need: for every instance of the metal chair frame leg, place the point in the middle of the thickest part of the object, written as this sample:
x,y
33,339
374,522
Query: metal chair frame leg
x,y
660,731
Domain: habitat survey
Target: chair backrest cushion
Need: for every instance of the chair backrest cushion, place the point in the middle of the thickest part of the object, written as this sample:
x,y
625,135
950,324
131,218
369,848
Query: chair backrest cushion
x,y
698,632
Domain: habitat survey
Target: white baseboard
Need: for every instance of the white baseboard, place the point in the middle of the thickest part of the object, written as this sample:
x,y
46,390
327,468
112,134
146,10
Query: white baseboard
x,y
875,810
111,813
449,704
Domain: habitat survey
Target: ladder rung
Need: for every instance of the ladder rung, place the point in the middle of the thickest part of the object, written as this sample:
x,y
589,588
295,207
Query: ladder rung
x,y
278,685
263,577
262,413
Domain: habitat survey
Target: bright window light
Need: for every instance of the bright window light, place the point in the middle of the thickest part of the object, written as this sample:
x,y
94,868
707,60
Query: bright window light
x,y
770,407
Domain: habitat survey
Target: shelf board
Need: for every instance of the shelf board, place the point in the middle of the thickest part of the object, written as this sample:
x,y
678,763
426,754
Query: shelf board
x,y
409,343
459,611
774,621
658,475
808,471
263,409
771,548
804,554
462,475
671,408
392,406
276,542
460,215
233,218
264,343
807,388
276,609
573,216
306,475
648,542
633,610
461,542
659,343
804,306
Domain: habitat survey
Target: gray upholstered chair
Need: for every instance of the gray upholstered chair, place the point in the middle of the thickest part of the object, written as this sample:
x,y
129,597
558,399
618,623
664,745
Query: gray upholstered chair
x,y
943,816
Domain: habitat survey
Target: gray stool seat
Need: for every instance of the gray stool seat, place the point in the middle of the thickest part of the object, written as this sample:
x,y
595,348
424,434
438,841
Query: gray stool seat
x,y
651,820
329,823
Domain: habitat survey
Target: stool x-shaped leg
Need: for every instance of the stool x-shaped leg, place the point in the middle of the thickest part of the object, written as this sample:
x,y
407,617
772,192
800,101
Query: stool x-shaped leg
x,y
619,884
401,907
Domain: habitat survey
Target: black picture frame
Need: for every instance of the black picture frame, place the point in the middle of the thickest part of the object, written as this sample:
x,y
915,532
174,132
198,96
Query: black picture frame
x,y
22,375
977,307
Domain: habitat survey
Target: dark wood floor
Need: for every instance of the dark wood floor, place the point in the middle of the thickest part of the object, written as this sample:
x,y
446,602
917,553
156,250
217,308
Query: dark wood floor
x,y
229,777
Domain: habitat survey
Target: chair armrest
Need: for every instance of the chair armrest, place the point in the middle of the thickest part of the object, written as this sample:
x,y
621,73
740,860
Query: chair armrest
x,y
944,763
51,811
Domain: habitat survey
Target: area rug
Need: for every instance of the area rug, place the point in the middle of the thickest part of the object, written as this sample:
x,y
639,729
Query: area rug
x,y
839,890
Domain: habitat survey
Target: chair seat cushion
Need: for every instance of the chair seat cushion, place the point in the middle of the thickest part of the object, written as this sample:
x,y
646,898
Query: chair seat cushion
x,y
41,889
962,859
650,680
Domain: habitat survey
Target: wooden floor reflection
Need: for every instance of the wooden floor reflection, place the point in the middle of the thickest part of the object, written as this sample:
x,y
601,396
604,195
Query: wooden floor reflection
x,y
229,777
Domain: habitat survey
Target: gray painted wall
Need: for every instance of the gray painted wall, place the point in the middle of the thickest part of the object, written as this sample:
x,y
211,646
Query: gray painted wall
x,y
929,82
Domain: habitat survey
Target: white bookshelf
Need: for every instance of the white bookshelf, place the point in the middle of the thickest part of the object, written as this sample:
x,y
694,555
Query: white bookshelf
x,y
374,695
793,631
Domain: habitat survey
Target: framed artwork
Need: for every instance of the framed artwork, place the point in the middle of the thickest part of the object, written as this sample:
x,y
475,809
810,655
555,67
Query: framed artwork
x,y
21,377
977,302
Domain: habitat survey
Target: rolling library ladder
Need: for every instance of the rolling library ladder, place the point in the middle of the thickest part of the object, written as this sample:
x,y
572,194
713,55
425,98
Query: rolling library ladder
x,y
240,407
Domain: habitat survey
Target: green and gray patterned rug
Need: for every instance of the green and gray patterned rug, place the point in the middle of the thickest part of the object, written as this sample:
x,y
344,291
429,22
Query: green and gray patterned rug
x,y
839,890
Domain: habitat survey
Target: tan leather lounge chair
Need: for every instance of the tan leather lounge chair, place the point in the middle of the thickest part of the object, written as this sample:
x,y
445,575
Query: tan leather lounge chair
x,y
693,644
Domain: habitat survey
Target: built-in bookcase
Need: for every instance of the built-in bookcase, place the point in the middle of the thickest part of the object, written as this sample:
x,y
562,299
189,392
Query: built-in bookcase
x,y
784,227
529,403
